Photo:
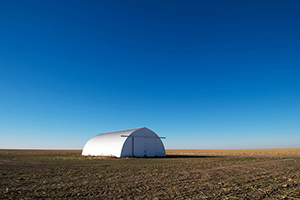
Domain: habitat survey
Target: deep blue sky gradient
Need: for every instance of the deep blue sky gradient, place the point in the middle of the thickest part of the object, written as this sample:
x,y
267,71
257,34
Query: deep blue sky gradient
x,y
205,74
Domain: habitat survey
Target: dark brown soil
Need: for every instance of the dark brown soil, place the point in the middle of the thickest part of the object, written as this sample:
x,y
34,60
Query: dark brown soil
x,y
66,174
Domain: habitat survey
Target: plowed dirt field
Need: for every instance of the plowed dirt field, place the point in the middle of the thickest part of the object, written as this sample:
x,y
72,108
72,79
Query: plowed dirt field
x,y
183,174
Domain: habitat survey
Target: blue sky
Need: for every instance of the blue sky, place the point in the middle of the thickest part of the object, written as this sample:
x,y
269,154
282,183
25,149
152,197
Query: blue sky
x,y
204,74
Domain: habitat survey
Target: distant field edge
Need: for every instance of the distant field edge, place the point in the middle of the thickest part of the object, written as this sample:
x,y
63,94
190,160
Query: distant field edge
x,y
236,152
190,152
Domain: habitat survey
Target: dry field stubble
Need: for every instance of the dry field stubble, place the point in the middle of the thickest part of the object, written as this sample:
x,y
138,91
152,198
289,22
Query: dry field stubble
x,y
198,175
238,152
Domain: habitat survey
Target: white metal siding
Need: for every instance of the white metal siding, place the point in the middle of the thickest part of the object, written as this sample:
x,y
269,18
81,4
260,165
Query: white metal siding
x,y
119,144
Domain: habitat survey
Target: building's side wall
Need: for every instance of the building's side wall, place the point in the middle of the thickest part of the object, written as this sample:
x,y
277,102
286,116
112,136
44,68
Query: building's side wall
x,y
106,144
102,146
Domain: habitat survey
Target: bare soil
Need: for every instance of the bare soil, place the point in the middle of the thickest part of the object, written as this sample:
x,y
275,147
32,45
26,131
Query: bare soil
x,y
183,174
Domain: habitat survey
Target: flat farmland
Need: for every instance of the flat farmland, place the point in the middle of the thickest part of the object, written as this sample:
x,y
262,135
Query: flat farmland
x,y
183,174
238,152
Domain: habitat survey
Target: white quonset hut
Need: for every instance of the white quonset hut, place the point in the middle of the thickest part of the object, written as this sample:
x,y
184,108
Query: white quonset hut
x,y
137,142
